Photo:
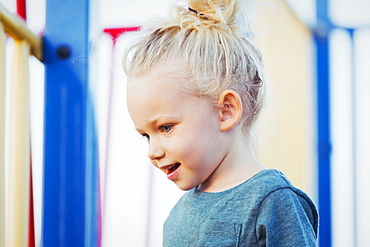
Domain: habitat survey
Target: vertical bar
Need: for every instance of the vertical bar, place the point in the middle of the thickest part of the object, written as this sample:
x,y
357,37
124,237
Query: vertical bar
x,y
70,165
31,223
19,149
362,100
2,135
114,33
22,12
22,9
354,133
92,206
323,121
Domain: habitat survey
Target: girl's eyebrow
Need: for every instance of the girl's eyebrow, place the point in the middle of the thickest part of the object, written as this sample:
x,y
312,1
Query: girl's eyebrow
x,y
156,118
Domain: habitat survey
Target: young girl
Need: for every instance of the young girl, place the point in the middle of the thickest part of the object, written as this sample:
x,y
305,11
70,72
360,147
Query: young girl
x,y
195,89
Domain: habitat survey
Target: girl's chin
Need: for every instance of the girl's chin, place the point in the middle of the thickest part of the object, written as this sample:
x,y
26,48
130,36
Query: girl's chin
x,y
184,187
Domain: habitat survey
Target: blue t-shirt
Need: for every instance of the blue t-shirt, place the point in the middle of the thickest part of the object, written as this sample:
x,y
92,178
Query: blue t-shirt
x,y
265,210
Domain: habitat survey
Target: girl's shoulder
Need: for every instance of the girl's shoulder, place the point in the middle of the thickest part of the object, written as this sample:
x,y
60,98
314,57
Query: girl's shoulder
x,y
279,198
265,182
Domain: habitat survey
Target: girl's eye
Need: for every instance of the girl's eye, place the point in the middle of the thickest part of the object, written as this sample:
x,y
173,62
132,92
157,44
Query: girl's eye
x,y
165,128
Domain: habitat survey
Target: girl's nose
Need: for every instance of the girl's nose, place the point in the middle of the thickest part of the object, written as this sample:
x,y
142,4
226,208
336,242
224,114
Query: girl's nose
x,y
155,152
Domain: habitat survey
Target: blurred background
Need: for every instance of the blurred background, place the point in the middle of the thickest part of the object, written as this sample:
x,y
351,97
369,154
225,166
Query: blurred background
x,y
315,126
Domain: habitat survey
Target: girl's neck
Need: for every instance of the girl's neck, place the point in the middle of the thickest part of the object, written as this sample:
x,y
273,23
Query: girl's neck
x,y
238,165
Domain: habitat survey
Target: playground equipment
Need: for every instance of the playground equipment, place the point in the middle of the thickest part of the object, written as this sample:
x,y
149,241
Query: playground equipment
x,y
19,227
71,200
71,210
72,213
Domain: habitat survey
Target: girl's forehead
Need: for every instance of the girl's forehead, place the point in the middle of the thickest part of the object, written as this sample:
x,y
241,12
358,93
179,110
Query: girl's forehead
x,y
163,95
166,68
155,85
158,82
168,76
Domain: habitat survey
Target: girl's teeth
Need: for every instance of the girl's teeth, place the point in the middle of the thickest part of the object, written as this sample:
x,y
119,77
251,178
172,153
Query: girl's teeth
x,y
172,168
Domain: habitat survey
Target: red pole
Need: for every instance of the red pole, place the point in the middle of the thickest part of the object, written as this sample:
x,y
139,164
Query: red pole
x,y
22,9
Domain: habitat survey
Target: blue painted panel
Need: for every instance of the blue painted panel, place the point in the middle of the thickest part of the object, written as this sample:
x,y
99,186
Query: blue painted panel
x,y
323,121
70,163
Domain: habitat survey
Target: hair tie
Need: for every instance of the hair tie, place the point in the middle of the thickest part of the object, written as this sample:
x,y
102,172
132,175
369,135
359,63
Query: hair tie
x,y
193,10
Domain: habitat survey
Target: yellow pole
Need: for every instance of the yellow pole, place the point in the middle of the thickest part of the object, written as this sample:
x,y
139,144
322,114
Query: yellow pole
x,y
2,135
19,149
17,28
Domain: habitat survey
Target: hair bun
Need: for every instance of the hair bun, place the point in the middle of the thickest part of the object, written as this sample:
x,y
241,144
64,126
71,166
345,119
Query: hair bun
x,y
217,13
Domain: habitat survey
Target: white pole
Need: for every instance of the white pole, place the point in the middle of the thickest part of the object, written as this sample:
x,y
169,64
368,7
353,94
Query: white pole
x,y
2,135
19,149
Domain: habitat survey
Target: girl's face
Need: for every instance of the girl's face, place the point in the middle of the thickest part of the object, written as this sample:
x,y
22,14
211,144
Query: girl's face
x,y
183,130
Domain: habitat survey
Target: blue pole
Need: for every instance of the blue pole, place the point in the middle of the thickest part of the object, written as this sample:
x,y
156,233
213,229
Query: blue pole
x,y
323,121
351,32
70,201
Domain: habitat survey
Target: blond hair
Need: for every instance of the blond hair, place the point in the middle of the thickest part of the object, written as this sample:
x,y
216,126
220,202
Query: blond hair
x,y
206,34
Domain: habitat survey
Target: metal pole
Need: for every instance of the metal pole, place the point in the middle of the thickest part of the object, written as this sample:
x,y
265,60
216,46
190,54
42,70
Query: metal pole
x,y
70,203
16,27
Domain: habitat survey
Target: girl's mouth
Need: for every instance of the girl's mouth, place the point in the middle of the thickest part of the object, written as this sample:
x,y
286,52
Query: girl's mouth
x,y
172,168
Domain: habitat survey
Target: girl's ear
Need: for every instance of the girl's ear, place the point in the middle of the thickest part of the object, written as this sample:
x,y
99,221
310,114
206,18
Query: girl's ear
x,y
231,109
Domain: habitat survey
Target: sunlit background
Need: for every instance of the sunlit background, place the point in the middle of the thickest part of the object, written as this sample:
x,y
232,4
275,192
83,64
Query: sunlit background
x,y
136,198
